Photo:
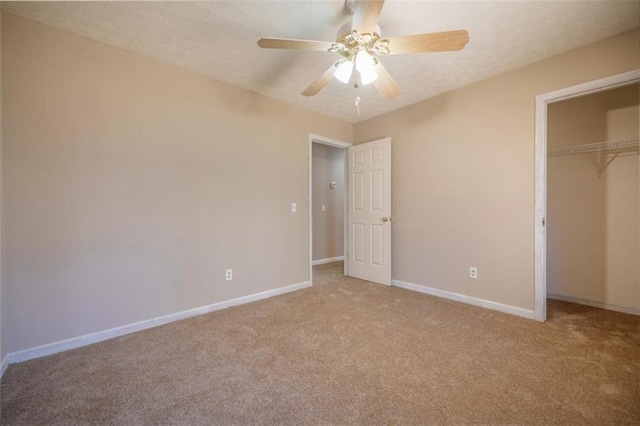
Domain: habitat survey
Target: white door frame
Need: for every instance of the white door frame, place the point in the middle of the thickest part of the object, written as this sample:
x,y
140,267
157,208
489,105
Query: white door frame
x,y
540,269
338,144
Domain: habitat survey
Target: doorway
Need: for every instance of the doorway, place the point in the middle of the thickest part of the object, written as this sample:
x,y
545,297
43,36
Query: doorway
x,y
327,201
541,154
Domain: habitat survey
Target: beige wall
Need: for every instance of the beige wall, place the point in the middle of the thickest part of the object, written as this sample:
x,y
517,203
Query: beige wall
x,y
624,123
463,174
592,234
328,227
1,186
622,275
131,185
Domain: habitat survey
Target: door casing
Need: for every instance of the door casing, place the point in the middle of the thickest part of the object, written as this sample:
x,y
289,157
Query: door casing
x,y
540,268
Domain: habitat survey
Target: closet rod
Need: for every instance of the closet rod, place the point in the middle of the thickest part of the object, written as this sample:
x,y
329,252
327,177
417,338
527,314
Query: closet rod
x,y
621,146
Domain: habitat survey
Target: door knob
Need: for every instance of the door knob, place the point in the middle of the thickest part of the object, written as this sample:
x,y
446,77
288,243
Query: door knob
x,y
385,219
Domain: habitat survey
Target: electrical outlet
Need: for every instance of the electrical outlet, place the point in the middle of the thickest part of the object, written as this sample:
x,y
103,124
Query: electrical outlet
x,y
229,275
473,273
294,207
324,208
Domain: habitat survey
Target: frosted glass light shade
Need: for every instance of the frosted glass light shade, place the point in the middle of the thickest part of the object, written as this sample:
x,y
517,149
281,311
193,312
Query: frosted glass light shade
x,y
368,76
343,73
365,64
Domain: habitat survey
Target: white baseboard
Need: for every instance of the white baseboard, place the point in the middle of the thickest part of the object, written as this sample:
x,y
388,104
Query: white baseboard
x,y
618,308
88,339
327,260
508,309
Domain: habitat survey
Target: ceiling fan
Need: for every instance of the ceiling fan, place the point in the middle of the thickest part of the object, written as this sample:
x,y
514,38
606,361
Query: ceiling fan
x,y
360,43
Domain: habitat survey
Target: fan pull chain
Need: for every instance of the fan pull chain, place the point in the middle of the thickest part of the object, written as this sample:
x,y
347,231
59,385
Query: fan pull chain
x,y
357,103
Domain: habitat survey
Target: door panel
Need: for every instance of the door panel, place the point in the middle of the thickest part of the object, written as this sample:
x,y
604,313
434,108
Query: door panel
x,y
358,191
358,243
369,169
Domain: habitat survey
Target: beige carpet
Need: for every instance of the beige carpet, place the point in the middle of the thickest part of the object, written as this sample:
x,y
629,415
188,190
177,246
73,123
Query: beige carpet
x,y
344,352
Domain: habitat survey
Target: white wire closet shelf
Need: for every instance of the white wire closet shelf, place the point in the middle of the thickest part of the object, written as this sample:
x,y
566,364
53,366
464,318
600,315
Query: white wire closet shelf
x,y
607,147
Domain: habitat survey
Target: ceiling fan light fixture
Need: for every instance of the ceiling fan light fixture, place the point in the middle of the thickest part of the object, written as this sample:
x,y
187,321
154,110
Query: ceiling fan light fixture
x,y
368,77
360,44
364,61
365,64
344,71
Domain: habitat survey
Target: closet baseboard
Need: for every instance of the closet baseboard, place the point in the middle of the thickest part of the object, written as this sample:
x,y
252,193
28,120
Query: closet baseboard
x,y
608,306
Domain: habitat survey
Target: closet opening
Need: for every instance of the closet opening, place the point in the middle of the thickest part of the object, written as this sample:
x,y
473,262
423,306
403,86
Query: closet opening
x,y
593,199
588,198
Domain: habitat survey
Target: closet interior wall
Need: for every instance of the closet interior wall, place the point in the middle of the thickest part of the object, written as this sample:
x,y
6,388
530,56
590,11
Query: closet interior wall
x,y
593,232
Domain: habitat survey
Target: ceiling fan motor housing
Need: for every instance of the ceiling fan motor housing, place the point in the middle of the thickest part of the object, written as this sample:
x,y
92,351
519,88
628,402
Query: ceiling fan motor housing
x,y
350,42
346,30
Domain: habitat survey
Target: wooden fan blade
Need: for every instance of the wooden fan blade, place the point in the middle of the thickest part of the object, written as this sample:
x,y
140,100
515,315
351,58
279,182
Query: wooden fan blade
x,y
432,42
385,84
289,43
365,15
319,83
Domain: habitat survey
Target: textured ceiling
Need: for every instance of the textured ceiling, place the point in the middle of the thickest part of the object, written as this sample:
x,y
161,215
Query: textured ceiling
x,y
219,38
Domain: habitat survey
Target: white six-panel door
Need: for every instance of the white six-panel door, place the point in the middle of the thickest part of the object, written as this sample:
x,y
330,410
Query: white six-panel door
x,y
369,221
